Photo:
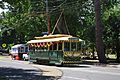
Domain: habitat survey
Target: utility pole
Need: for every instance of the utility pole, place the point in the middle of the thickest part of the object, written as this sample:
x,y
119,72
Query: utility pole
x,y
48,17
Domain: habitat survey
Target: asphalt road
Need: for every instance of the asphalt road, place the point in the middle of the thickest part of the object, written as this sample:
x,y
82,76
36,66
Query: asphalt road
x,y
20,70
90,72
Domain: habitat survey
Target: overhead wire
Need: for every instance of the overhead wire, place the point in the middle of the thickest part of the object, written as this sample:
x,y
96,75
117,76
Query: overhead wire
x,y
64,4
58,6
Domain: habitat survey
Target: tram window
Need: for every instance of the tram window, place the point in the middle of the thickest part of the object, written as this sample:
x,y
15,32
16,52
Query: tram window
x,y
78,46
26,49
55,47
31,49
22,49
51,47
36,49
19,50
41,48
14,49
66,46
59,46
73,46
45,48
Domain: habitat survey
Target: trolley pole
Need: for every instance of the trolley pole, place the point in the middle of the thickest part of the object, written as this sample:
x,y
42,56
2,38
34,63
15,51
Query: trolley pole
x,y
48,17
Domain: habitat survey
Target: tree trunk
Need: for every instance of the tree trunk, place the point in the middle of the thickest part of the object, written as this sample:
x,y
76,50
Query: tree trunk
x,y
118,50
99,41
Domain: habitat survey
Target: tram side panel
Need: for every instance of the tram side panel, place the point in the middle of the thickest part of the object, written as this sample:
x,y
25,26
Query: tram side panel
x,y
55,57
49,57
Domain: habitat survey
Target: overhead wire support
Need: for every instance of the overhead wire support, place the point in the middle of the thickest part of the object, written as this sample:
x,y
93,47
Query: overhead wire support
x,y
66,26
57,22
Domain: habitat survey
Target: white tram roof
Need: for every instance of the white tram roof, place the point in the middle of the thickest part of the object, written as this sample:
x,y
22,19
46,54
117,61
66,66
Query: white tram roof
x,y
18,45
53,36
55,39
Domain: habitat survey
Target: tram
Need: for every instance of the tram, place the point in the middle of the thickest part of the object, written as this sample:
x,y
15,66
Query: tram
x,y
17,51
55,49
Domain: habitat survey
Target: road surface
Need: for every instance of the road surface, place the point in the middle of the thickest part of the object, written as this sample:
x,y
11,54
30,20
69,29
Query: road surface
x,y
90,72
86,72
20,70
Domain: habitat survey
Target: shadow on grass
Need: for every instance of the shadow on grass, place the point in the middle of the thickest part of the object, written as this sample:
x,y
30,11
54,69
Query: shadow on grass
x,y
21,74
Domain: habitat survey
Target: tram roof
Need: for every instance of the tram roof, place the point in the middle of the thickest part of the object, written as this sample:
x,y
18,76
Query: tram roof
x,y
18,45
65,38
53,36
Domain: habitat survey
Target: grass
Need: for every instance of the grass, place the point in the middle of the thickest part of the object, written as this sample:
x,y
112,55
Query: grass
x,y
111,59
112,56
1,57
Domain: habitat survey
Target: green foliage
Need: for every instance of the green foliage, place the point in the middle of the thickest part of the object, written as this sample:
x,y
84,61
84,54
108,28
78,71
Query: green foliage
x,y
28,19
112,30
24,23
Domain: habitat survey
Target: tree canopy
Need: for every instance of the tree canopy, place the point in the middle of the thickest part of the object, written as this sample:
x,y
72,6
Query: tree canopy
x,y
27,19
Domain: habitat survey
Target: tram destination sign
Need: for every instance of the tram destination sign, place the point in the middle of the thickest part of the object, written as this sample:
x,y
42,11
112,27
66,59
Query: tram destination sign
x,y
74,38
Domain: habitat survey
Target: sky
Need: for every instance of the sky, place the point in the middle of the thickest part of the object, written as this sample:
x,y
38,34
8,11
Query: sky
x,y
5,10
1,10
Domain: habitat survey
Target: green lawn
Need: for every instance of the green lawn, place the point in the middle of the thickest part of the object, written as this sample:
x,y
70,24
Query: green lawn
x,y
1,57
112,56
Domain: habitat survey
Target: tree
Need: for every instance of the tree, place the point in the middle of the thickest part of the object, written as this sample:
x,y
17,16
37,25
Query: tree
x,y
99,28
111,19
28,18
24,20
115,29
113,33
